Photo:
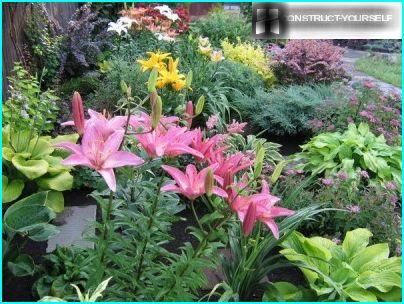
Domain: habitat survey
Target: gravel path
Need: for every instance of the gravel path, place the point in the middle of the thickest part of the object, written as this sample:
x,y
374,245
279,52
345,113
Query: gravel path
x,y
349,59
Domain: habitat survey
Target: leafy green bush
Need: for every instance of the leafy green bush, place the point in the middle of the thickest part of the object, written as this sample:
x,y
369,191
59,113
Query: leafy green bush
x,y
31,158
360,206
351,152
366,103
27,218
352,271
45,40
219,25
283,110
28,107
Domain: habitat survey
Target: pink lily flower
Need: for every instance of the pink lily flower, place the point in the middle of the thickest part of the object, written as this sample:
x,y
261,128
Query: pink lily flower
x,y
109,125
204,146
99,153
233,163
259,207
190,184
174,142
143,122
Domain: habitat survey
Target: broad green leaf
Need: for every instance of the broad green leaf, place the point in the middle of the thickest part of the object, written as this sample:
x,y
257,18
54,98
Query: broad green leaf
x,y
355,241
394,295
8,153
359,294
370,254
27,212
383,281
32,169
60,182
42,232
39,148
22,266
11,189
55,164
55,201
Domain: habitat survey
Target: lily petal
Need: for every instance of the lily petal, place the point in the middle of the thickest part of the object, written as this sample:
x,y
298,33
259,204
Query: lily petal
x,y
177,175
109,177
122,158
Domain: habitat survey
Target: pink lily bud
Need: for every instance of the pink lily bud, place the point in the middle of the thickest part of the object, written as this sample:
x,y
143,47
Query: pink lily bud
x,y
78,113
189,113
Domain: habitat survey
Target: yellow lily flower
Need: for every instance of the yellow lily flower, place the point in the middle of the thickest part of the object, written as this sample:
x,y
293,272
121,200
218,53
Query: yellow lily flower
x,y
156,60
171,76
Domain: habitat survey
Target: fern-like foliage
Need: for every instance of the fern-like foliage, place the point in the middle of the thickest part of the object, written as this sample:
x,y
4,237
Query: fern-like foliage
x,y
283,110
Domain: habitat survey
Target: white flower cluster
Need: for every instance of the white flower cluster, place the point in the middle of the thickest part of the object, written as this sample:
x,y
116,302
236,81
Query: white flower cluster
x,y
166,11
120,26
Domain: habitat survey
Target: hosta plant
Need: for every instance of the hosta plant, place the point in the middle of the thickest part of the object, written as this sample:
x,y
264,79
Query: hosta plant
x,y
31,162
352,271
351,152
27,218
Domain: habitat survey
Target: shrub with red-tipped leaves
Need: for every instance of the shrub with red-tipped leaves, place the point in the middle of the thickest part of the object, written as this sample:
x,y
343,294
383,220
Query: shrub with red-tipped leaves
x,y
302,61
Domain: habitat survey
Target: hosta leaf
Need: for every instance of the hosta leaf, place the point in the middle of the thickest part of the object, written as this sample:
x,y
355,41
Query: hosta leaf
x,y
55,201
359,294
60,182
42,232
370,254
383,281
32,169
55,164
355,241
393,295
22,266
11,189
39,148
27,212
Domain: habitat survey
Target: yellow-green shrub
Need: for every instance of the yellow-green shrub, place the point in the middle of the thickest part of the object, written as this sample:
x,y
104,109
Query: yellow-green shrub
x,y
250,55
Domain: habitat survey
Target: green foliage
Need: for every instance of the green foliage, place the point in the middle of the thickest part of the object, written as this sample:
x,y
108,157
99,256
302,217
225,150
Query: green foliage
x,y
84,85
352,271
283,110
82,298
45,40
65,266
31,158
28,107
350,152
251,259
29,217
219,25
375,208
238,142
